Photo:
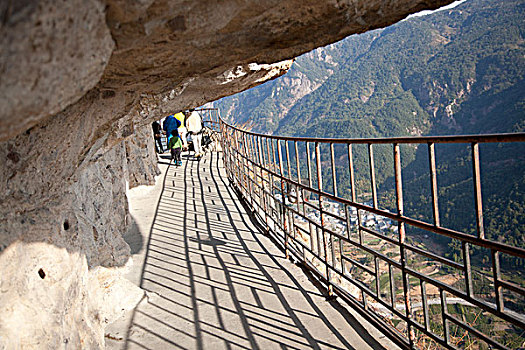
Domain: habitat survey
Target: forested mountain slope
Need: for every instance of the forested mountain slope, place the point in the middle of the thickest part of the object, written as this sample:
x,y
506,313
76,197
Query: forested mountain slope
x,y
265,106
456,71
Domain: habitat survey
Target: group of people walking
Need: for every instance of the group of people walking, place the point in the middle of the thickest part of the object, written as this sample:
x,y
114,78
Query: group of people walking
x,y
177,127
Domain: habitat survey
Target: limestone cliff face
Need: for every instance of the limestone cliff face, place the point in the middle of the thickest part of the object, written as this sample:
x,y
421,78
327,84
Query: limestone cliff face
x,y
80,83
140,158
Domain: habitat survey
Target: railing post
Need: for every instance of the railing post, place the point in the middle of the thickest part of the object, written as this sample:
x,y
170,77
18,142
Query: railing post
x,y
392,286
402,249
291,214
249,167
444,316
496,273
226,146
299,190
424,302
269,166
372,174
465,250
477,190
378,274
299,180
310,185
263,193
353,192
321,214
237,152
242,168
283,200
273,163
433,182
334,176
289,167
334,181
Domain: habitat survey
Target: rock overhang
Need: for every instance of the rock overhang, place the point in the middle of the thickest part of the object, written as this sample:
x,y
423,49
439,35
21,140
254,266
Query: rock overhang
x,y
80,81
54,53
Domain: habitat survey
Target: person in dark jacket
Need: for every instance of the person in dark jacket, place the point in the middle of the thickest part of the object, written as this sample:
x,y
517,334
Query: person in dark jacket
x,y
170,124
157,136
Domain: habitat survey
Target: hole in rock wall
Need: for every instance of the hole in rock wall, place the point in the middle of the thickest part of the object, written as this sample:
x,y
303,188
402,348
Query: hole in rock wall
x,y
41,273
108,94
13,156
66,225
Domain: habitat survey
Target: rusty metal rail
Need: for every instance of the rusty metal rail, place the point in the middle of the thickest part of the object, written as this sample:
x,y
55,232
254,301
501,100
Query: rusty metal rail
x,y
379,272
210,118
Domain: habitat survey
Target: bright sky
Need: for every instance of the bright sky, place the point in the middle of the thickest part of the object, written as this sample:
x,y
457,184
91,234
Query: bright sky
x,y
427,12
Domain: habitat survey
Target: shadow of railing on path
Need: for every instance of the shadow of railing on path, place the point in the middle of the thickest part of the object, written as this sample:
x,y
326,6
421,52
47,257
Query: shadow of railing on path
x,y
210,279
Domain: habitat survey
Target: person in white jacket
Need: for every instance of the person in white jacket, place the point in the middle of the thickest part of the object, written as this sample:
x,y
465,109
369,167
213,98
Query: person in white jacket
x,y
194,127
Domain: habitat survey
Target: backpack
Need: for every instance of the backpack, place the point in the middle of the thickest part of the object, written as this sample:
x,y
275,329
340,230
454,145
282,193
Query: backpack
x,y
206,140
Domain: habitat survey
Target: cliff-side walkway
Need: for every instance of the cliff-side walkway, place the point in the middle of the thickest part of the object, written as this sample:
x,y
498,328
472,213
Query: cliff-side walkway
x,y
214,281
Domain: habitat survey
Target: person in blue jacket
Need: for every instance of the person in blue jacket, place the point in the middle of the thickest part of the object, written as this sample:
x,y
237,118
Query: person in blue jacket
x,y
170,124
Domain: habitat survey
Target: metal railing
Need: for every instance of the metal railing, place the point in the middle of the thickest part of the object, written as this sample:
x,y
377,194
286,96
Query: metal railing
x,y
210,118
373,256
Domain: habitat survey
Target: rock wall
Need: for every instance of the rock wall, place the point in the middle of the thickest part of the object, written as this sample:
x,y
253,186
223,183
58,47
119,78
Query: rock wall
x,y
80,83
141,159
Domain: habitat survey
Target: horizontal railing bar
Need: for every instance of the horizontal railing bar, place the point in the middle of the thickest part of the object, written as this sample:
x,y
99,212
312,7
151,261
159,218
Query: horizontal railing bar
x,y
311,205
435,256
333,215
373,295
358,264
512,287
304,229
310,221
504,248
356,244
378,235
479,334
487,138
414,249
348,278
474,301
373,252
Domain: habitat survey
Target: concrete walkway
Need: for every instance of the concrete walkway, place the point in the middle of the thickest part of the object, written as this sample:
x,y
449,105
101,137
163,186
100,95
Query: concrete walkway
x,y
214,281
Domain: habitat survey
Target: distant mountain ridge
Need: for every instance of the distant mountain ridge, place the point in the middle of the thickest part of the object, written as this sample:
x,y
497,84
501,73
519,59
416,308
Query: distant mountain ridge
x,y
446,73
